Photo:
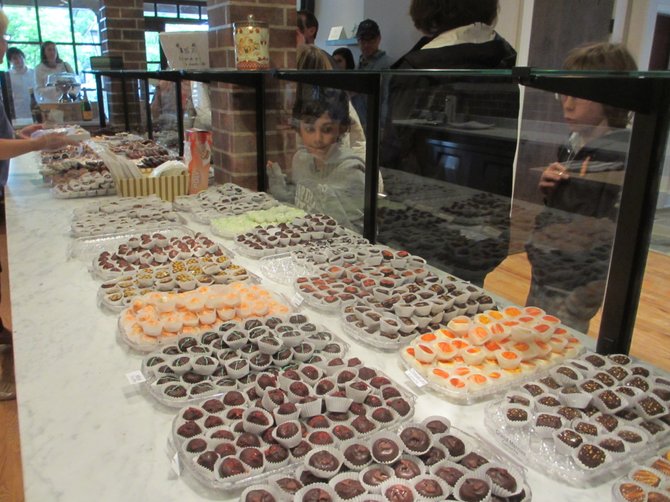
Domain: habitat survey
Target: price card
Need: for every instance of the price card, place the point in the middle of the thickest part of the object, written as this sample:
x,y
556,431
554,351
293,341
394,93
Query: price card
x,y
297,300
135,377
416,377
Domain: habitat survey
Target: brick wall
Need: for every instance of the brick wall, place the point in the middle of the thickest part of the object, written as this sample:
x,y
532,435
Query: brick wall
x,y
233,110
122,34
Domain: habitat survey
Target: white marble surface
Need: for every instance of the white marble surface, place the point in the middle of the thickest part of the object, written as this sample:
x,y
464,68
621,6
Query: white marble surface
x,y
86,434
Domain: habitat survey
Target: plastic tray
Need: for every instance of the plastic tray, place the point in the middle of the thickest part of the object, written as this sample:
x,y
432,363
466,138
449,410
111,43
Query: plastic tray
x,y
87,248
541,454
159,396
282,268
187,460
647,465
475,444
122,224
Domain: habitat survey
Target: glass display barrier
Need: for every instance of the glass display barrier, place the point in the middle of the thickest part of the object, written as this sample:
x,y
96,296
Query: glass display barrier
x,y
524,189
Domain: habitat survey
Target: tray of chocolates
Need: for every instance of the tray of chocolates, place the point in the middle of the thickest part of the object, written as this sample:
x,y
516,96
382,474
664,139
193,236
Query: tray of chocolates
x,y
427,460
241,438
645,482
123,215
474,358
178,276
88,248
144,251
82,183
235,356
347,276
230,226
310,229
157,319
391,317
588,421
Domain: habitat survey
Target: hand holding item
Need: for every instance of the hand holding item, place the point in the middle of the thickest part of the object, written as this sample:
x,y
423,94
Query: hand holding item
x,y
552,176
54,141
27,131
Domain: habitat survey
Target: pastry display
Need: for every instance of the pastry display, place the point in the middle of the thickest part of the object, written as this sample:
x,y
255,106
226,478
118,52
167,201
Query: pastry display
x,y
586,419
265,438
230,226
475,357
409,477
161,318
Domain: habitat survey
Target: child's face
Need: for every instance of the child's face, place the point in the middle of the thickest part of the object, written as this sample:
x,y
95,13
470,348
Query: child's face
x,y
582,114
318,136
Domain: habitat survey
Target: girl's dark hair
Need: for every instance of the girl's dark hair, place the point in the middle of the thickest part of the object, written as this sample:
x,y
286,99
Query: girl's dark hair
x,y
14,51
433,17
43,55
309,107
347,55
603,56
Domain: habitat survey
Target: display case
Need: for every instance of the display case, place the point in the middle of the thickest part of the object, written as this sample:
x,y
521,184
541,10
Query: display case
x,y
452,163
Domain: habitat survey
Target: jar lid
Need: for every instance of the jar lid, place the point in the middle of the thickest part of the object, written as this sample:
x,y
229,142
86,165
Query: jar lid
x,y
250,21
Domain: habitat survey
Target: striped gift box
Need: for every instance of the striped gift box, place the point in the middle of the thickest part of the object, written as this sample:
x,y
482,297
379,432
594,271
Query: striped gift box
x,y
166,187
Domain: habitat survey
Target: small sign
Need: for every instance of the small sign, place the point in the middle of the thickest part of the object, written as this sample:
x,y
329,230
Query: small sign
x,y
416,377
297,300
135,377
337,33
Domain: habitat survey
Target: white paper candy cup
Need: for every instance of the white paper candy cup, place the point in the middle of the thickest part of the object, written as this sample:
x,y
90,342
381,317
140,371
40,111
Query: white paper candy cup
x,y
255,428
375,488
387,487
323,473
464,480
385,436
270,489
497,489
446,489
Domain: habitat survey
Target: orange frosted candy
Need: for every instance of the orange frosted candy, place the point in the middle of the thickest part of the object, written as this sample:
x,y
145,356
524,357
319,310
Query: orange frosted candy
x,y
551,319
473,350
533,311
440,373
526,319
448,333
410,351
426,349
512,312
542,345
457,382
460,344
428,337
522,346
462,371
478,334
541,328
491,345
495,314
508,354
495,375
458,360
560,332
477,379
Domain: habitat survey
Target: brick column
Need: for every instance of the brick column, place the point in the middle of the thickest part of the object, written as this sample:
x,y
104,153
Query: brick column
x,y
233,112
122,34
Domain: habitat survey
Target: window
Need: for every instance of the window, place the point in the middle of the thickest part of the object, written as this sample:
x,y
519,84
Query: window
x,y
170,15
32,22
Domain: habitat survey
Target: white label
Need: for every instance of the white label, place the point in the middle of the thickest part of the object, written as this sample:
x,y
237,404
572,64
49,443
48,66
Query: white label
x,y
336,33
297,300
176,466
135,377
416,377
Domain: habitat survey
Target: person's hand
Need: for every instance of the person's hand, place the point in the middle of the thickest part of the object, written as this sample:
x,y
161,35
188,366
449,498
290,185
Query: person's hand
x,y
28,130
553,175
54,141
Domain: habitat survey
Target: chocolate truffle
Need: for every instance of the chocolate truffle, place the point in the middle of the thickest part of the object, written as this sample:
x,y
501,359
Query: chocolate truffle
x,y
375,476
362,424
286,430
192,414
349,488
433,456
385,450
437,426
357,454
455,446
213,421
429,488
473,460
399,493
276,453
591,455
189,429
612,444
400,405
316,495
196,445
175,391
324,461
320,438
373,401
415,439
318,422
225,449
289,485
235,414
258,417
301,450
502,478
406,469
259,496
570,438
546,420
342,432
231,466
246,439
213,406
233,398
253,457
223,434
382,415
473,490
449,474
207,460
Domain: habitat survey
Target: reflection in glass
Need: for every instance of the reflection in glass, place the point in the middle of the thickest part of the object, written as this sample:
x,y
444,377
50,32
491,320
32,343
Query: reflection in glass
x,y
325,175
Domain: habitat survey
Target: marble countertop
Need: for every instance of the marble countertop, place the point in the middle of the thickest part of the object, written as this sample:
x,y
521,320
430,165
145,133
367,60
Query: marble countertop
x,y
86,432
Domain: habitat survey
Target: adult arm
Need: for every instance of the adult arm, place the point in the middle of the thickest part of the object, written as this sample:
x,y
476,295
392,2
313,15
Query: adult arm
x,y
10,148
